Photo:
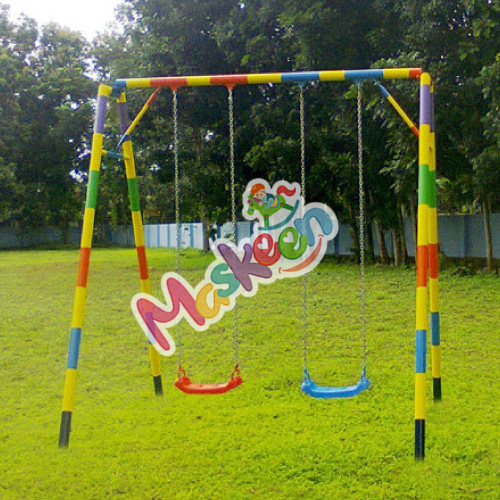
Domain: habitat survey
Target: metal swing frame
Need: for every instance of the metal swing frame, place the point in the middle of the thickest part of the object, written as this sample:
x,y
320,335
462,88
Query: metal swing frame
x,y
427,296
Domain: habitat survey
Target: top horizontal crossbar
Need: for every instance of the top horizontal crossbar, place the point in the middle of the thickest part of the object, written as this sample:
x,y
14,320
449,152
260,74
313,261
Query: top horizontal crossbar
x,y
263,78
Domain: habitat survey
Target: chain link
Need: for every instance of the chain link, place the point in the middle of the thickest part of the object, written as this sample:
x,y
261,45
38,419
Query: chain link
x,y
231,162
305,317
302,143
180,345
236,326
362,224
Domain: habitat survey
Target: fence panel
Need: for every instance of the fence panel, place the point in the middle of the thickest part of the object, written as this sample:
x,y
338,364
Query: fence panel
x,y
461,236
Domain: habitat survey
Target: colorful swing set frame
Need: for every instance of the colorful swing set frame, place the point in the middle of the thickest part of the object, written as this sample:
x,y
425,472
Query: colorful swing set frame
x,y
427,298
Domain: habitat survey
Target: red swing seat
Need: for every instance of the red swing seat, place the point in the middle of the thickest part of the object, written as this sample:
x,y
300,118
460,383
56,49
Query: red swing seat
x,y
185,384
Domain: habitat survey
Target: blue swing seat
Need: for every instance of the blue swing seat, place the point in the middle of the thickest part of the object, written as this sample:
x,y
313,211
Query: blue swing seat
x,y
322,392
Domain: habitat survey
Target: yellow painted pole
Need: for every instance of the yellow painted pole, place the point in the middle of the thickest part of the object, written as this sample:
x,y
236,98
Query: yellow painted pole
x,y
401,112
83,267
421,327
133,189
433,263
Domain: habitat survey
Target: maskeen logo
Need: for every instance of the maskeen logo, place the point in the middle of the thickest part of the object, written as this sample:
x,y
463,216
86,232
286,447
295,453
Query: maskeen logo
x,y
289,239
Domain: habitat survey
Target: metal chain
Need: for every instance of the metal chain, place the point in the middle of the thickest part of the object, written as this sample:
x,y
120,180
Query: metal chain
x,y
231,161
180,346
302,143
305,319
362,224
236,340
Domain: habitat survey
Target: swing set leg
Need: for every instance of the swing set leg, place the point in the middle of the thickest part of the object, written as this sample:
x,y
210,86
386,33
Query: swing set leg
x,y
128,154
420,439
158,385
154,357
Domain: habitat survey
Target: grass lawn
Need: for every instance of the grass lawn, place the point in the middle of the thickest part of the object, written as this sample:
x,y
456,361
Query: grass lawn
x,y
264,440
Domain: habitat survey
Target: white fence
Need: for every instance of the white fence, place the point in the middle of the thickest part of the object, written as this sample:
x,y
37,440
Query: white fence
x,y
164,235
461,236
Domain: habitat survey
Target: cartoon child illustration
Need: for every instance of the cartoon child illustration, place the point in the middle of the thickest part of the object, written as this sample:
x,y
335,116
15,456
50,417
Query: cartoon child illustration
x,y
258,194
266,203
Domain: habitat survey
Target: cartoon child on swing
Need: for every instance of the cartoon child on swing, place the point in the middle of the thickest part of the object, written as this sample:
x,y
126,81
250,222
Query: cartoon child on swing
x,y
268,204
258,194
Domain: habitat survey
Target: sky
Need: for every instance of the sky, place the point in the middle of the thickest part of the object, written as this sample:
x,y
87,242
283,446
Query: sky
x,y
86,16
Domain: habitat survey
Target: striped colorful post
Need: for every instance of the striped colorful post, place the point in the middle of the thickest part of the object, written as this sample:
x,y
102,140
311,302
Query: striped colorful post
x,y
135,206
83,267
401,112
433,263
425,188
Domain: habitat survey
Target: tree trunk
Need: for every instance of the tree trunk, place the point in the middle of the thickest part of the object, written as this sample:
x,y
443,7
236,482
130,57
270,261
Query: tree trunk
x,y
402,234
487,232
65,234
198,142
381,242
370,252
396,250
127,242
206,232
353,229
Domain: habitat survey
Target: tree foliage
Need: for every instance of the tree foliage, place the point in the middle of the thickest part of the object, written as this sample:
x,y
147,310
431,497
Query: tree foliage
x,y
47,102
45,116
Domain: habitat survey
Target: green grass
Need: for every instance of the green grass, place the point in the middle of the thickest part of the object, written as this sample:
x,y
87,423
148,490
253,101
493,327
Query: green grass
x,y
264,440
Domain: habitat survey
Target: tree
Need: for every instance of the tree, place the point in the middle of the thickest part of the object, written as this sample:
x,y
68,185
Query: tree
x,y
46,111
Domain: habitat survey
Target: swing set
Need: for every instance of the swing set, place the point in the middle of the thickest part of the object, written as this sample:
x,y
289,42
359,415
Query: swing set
x,y
183,382
427,297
